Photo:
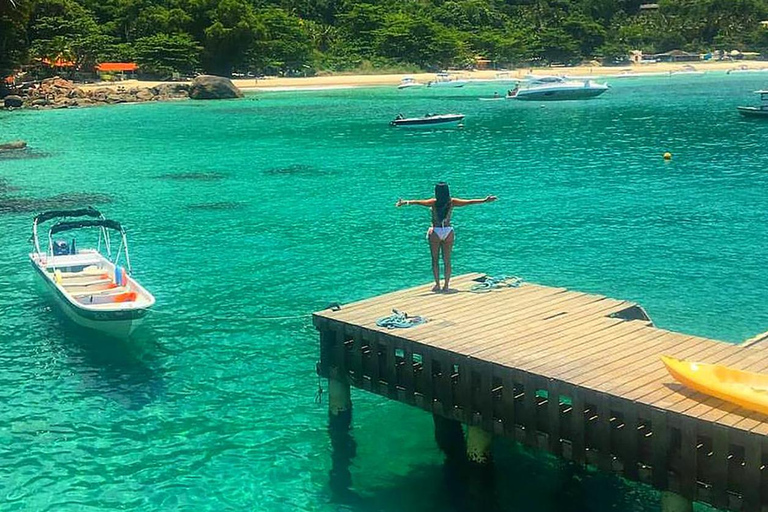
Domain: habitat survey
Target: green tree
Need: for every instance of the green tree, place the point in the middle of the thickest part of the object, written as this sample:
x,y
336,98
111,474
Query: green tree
x,y
162,55
63,29
13,36
284,43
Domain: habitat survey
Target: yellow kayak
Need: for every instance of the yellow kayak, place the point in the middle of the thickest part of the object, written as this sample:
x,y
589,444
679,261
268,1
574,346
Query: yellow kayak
x,y
747,389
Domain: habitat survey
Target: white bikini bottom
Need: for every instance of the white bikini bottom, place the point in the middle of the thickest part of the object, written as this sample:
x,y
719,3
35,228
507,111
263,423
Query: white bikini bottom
x,y
441,232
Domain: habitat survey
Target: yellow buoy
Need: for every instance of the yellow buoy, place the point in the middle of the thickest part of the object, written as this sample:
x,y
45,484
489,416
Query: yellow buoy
x,y
667,156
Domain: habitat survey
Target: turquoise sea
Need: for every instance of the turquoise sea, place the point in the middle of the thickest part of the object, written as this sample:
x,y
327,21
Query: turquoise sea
x,y
281,203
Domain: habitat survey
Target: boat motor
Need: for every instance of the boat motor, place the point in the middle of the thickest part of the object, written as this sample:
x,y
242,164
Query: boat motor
x,y
60,248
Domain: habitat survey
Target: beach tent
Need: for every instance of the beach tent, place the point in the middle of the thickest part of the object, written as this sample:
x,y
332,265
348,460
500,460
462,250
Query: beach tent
x,y
107,69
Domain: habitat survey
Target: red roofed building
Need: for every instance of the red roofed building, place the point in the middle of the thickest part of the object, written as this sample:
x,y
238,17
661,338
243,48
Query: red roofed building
x,y
116,70
117,67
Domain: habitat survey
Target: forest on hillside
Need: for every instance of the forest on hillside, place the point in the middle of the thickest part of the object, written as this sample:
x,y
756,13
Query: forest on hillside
x,y
306,36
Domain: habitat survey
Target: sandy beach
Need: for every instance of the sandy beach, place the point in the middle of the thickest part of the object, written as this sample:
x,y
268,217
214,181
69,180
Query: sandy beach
x,y
352,80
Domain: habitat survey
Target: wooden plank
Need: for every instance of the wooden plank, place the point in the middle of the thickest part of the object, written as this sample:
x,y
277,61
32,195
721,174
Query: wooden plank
x,y
584,318
688,456
578,444
531,359
603,430
466,335
445,320
420,290
629,443
752,463
507,401
408,373
469,322
660,447
719,464
553,417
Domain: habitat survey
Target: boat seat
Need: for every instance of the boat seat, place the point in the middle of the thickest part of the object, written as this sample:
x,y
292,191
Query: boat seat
x,y
93,282
87,271
106,291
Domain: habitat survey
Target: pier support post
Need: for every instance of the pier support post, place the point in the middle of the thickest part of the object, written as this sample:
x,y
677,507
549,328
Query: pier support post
x,y
673,502
479,445
339,399
450,438
343,445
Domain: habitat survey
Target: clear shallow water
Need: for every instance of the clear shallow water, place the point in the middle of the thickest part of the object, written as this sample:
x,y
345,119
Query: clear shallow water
x,y
283,203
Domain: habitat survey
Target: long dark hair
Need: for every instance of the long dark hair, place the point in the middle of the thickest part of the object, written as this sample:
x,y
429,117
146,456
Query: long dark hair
x,y
442,201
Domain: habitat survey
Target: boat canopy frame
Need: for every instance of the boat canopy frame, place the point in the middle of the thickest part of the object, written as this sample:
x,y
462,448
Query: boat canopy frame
x,y
104,225
88,211
88,217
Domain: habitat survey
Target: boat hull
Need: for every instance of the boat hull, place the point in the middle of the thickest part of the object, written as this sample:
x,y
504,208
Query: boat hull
x,y
747,389
451,83
559,93
753,112
120,323
428,121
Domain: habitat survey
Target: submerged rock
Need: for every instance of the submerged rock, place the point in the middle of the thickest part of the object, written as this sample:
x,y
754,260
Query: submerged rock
x,y
13,145
215,206
294,170
194,176
59,201
210,87
13,101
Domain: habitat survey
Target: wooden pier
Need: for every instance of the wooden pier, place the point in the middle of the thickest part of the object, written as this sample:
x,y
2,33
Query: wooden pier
x,y
575,374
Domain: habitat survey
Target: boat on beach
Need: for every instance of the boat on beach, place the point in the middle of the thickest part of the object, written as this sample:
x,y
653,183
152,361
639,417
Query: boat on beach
x,y
745,69
446,80
758,111
427,120
555,88
409,82
687,70
93,290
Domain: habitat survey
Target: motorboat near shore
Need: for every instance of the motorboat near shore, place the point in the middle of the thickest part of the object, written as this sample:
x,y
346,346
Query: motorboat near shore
x,y
93,290
446,80
554,88
427,120
408,82
759,111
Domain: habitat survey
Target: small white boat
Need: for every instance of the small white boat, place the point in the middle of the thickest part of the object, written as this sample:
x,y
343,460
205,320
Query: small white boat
x,y
632,74
92,290
446,80
556,88
759,111
427,120
745,69
687,70
409,82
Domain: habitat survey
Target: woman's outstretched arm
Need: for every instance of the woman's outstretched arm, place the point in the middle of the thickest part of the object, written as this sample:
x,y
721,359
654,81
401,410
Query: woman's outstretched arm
x,y
420,202
466,202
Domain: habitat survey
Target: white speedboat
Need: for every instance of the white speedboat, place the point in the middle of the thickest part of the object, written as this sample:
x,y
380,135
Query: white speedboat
x,y
427,120
745,69
446,80
759,111
553,88
93,290
409,82
687,70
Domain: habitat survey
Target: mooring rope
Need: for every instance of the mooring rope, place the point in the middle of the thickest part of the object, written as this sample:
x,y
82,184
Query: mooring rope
x,y
495,282
400,320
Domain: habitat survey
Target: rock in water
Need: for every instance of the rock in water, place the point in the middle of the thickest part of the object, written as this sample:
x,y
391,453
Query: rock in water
x,y
17,144
13,101
209,87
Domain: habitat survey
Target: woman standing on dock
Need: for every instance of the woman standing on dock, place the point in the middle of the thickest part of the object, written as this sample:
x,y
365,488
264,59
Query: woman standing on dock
x,y
440,234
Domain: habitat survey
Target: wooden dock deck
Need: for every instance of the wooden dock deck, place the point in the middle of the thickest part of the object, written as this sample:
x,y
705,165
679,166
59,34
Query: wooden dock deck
x,y
573,373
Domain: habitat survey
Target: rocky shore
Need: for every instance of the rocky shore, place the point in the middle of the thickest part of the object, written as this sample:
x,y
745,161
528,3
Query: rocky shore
x,y
58,92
